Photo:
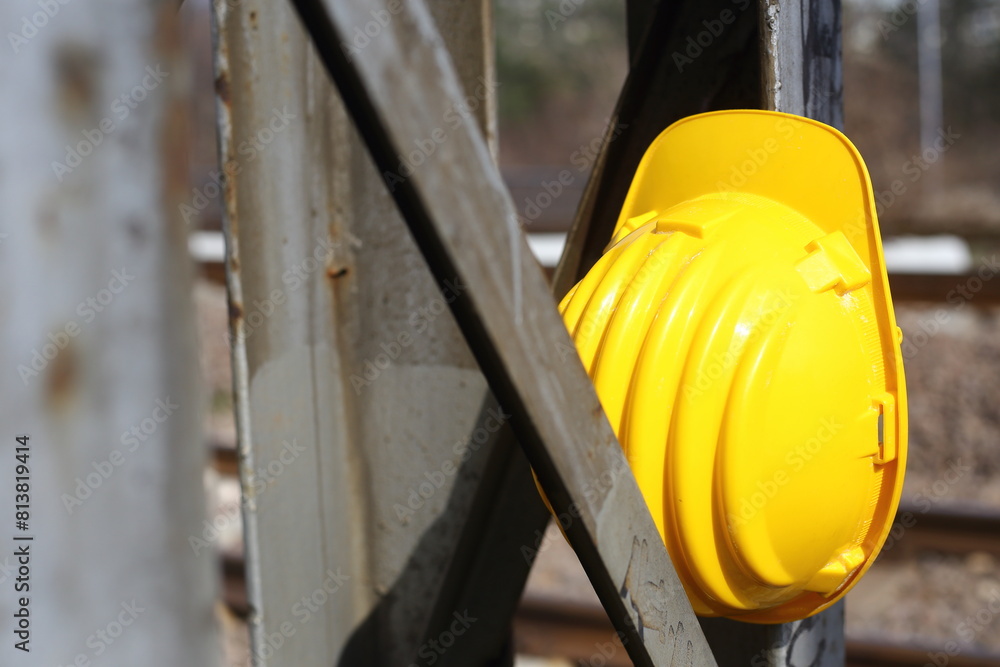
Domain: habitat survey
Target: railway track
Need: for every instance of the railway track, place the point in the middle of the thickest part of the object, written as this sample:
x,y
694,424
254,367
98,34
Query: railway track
x,y
583,634
947,529
551,627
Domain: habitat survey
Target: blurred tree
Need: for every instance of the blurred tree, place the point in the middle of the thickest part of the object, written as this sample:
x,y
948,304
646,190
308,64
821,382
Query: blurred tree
x,y
560,64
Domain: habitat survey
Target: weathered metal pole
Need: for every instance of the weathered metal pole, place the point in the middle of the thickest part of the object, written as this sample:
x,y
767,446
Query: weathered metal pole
x,y
97,349
345,348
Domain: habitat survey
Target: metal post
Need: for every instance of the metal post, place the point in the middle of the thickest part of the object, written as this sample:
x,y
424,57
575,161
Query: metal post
x,y
344,348
98,349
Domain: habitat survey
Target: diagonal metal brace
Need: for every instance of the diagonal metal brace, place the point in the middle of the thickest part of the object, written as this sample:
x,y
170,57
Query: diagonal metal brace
x,y
404,97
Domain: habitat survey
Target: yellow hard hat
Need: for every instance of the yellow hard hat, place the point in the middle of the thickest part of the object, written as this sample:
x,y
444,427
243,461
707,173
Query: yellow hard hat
x,y
741,338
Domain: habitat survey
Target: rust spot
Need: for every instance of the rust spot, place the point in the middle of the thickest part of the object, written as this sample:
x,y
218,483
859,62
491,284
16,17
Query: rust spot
x,y
253,19
48,220
336,273
77,70
136,232
61,376
235,310
222,87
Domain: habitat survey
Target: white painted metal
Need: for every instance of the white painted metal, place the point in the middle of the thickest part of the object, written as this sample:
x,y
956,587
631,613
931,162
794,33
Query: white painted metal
x,y
97,346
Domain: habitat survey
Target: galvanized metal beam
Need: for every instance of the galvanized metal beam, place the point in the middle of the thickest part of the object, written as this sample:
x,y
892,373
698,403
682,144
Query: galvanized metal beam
x,y
464,223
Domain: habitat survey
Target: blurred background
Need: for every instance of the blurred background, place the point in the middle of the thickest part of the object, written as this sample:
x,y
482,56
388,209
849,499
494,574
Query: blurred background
x,y
922,103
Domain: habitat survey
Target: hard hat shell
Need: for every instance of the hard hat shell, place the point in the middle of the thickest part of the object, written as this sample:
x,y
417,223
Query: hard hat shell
x,y
741,338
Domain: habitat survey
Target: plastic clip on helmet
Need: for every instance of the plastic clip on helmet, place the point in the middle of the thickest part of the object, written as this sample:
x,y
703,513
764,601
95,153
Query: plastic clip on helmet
x,y
741,339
